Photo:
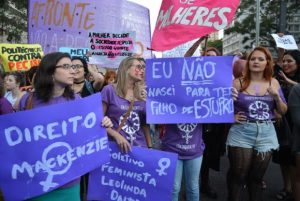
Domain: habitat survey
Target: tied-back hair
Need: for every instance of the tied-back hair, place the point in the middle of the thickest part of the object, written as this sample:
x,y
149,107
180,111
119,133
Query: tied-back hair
x,y
84,63
268,72
43,83
296,55
122,77
19,77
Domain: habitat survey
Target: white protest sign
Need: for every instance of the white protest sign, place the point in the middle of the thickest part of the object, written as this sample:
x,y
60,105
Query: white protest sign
x,y
286,42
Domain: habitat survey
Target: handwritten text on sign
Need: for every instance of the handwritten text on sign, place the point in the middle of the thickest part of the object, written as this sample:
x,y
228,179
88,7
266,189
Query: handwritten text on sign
x,y
189,90
39,155
142,174
20,57
111,47
67,23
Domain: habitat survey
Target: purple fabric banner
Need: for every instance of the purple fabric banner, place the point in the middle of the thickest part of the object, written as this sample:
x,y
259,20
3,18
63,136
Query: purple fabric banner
x,y
189,90
143,174
67,23
45,148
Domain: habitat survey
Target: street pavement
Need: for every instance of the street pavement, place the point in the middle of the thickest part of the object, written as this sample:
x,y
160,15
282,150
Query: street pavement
x,y
218,182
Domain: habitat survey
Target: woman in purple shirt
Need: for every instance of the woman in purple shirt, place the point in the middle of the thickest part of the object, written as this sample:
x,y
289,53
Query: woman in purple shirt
x,y
5,106
52,85
117,98
185,140
252,137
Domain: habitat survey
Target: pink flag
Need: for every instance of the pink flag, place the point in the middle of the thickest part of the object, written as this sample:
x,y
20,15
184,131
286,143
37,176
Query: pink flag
x,y
180,21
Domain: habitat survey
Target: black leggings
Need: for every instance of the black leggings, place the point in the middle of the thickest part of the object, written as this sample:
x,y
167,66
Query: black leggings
x,y
247,167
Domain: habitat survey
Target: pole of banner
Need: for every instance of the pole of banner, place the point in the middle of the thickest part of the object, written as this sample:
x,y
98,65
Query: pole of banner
x,y
257,23
205,45
194,47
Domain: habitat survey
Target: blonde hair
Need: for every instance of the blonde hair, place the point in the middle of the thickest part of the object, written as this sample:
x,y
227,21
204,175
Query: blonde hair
x,y
122,78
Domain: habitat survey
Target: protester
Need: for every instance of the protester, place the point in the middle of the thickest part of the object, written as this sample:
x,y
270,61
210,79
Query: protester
x,y
5,106
186,141
124,104
110,77
13,81
81,85
214,136
287,77
294,108
52,85
252,137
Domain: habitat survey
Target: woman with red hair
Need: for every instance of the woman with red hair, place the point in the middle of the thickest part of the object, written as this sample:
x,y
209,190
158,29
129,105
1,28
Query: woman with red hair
x,y
252,137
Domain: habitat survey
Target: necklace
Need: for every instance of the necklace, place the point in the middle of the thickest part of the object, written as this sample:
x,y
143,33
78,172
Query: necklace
x,y
79,82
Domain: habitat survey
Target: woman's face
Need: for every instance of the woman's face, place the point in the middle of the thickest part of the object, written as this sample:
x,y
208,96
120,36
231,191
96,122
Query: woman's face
x,y
289,65
64,73
257,62
10,83
136,71
79,74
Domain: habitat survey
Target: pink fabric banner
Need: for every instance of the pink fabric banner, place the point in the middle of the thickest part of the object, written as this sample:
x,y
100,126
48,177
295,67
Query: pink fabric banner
x,y
180,21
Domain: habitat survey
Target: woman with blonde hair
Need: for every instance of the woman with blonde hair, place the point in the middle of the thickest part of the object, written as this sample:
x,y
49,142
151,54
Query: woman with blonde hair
x,y
124,104
252,137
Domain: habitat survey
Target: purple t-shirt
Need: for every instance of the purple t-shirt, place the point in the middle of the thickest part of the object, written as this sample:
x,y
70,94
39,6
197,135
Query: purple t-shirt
x,y
36,103
183,139
256,107
117,108
5,106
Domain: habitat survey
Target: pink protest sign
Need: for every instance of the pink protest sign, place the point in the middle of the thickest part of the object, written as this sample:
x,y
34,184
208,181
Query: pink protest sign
x,y
180,21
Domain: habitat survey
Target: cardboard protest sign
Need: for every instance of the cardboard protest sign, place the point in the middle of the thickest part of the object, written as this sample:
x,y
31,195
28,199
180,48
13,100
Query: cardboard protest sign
x,y
180,50
20,57
142,174
78,52
67,23
189,90
286,42
40,153
110,48
182,21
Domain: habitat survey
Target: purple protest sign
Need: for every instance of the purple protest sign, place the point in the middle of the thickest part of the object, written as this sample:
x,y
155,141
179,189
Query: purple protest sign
x,y
45,148
67,23
143,174
189,90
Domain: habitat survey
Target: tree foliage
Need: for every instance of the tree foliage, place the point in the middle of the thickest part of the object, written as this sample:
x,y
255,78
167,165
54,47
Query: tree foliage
x,y
13,19
269,19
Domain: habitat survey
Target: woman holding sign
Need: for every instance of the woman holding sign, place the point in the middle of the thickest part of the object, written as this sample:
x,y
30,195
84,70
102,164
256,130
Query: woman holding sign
x,y
186,141
123,103
52,85
252,137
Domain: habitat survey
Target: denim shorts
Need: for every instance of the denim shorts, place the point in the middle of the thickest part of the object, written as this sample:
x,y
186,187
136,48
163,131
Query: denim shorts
x,y
260,136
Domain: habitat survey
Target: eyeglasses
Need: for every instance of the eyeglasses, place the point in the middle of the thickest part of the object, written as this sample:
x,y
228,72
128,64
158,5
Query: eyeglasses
x,y
69,67
139,66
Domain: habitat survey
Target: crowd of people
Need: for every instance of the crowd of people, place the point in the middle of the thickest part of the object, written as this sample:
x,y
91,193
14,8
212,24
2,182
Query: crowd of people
x,y
266,98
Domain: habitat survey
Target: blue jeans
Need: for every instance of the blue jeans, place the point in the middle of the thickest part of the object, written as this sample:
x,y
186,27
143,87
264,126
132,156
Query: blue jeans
x,y
191,171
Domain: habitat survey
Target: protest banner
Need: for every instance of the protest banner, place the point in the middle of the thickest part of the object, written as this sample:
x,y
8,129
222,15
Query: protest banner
x,y
67,23
40,153
78,52
20,57
184,20
142,174
189,90
286,42
111,48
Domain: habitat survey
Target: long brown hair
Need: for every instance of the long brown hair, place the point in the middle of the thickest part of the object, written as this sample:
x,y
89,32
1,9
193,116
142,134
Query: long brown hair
x,y
268,72
122,77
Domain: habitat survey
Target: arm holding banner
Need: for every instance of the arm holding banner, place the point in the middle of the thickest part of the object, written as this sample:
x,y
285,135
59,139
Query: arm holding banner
x,y
98,77
146,129
120,140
